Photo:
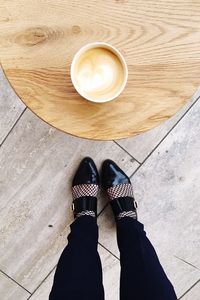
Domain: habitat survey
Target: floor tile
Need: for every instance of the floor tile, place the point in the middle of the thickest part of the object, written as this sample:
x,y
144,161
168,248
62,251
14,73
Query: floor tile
x,y
142,145
42,293
193,294
9,290
167,190
111,271
36,166
10,107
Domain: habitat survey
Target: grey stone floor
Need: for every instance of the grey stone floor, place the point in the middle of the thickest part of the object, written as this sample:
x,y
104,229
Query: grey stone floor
x,y
36,166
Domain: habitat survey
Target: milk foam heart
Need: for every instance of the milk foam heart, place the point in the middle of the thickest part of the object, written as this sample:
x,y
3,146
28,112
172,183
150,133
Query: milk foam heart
x,y
99,73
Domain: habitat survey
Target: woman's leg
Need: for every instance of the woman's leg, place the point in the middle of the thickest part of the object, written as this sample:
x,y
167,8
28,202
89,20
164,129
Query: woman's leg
x,y
142,276
79,274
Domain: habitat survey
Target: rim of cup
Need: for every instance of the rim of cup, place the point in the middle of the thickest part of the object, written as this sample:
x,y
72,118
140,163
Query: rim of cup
x,y
97,45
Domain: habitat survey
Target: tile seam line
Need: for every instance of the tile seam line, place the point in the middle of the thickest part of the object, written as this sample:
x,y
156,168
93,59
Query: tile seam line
x,y
188,290
109,251
103,208
13,280
126,152
11,129
173,127
186,262
42,282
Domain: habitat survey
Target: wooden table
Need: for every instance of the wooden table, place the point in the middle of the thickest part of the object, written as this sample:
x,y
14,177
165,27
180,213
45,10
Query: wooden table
x,y
159,39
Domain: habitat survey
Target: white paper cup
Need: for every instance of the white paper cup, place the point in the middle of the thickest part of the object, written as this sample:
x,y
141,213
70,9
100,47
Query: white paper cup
x,y
115,82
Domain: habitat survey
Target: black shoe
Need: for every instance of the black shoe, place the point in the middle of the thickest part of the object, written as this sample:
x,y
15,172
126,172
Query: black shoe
x,y
118,188
112,175
85,186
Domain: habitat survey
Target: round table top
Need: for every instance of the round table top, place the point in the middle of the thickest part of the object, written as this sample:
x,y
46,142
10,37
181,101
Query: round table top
x,y
160,40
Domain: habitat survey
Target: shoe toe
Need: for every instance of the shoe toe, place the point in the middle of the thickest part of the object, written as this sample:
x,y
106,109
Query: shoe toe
x,y
86,173
112,175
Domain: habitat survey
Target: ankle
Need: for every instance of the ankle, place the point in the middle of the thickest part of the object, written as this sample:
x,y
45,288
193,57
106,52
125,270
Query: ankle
x,y
124,207
127,214
85,206
89,213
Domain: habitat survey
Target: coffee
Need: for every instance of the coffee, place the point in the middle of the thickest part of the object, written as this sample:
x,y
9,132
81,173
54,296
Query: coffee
x,y
99,74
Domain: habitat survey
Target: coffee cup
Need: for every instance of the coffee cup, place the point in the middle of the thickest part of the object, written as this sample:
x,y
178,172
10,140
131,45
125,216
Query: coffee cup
x,y
99,72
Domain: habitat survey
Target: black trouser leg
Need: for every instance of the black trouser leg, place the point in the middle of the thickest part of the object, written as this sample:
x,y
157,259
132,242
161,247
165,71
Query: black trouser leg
x,y
79,273
142,276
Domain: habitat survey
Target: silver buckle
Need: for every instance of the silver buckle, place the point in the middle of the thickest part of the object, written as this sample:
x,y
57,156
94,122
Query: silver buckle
x,y
73,207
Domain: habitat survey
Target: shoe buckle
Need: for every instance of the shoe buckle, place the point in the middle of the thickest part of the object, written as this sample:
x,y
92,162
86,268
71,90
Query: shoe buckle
x,y
135,204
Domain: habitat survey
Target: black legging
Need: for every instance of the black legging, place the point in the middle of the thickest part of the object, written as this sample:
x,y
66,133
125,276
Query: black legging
x,y
79,273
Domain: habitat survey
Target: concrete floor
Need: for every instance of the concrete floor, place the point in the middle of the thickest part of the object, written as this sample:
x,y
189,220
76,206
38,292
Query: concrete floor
x,y
36,165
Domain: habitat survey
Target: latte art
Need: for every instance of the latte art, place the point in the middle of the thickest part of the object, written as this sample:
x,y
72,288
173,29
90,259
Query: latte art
x,y
99,73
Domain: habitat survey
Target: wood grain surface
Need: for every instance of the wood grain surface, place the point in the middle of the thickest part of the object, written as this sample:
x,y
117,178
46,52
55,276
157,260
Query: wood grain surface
x,y
160,41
